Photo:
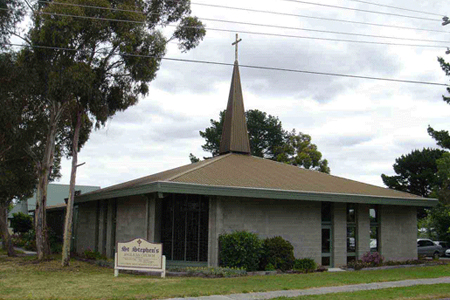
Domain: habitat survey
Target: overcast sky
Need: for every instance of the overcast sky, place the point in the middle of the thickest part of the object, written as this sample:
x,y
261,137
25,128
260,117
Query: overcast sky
x,y
359,125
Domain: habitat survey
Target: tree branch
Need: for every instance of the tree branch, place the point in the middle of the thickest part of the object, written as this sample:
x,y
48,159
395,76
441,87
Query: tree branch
x,y
21,37
29,5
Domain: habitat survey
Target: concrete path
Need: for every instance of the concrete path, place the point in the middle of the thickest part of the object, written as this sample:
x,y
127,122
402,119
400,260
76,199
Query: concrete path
x,y
323,290
26,252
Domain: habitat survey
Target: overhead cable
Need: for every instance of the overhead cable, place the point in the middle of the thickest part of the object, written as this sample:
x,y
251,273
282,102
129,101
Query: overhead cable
x,y
284,27
322,31
252,32
399,8
251,66
261,11
363,10
317,18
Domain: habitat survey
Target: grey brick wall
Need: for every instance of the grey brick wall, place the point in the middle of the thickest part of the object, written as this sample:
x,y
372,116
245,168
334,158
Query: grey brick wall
x,y
339,243
86,223
398,232
362,230
299,222
131,218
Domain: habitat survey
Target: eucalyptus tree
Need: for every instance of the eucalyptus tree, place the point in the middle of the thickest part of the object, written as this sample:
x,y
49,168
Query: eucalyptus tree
x,y
93,61
17,170
11,13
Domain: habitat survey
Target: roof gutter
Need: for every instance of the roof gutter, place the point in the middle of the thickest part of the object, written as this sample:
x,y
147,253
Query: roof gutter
x,y
260,193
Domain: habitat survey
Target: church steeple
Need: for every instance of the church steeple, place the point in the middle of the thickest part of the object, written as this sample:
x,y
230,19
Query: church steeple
x,y
234,131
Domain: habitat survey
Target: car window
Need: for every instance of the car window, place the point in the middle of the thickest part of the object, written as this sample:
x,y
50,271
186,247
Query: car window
x,y
421,243
429,243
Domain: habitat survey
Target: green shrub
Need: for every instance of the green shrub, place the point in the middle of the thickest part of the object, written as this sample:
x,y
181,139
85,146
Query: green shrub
x,y
21,223
305,265
25,240
357,265
93,255
373,259
55,241
278,252
269,267
240,249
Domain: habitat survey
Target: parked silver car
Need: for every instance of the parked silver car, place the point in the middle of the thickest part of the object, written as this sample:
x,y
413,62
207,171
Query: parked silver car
x,y
426,247
447,252
444,246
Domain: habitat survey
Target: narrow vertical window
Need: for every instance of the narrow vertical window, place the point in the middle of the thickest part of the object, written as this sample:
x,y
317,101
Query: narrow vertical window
x,y
374,229
351,232
326,233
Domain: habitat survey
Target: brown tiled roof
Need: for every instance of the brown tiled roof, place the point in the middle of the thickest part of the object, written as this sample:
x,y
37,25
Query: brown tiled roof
x,y
245,171
234,132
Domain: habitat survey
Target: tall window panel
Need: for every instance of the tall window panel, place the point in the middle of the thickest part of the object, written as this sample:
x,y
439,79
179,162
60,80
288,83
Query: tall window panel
x,y
374,229
351,232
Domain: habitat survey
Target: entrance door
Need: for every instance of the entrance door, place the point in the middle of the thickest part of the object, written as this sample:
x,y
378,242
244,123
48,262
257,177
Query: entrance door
x,y
326,245
184,228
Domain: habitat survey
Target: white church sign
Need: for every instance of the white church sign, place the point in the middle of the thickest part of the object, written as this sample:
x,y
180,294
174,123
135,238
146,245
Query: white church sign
x,y
139,255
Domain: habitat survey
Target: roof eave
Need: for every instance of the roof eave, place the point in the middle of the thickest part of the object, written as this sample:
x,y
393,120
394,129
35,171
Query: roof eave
x,y
260,193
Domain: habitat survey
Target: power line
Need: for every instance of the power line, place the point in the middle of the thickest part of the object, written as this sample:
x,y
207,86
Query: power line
x,y
317,18
264,25
260,11
399,8
251,66
322,31
322,39
251,32
362,10
91,6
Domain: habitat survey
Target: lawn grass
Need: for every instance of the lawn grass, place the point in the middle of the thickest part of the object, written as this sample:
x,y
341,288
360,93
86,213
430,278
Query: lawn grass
x,y
23,277
434,291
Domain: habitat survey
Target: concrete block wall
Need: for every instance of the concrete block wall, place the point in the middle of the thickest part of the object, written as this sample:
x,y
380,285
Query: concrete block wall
x,y
131,219
215,228
362,230
110,230
136,216
299,222
102,227
339,243
86,227
398,232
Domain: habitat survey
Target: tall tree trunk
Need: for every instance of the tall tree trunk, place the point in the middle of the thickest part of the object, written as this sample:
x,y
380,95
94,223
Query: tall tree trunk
x,y
42,243
7,243
69,207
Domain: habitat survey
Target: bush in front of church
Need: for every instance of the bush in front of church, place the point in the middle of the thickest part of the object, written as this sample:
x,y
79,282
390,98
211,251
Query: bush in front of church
x,y
240,249
277,252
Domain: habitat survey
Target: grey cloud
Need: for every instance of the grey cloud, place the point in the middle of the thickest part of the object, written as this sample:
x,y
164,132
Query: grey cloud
x,y
175,131
283,53
143,111
346,141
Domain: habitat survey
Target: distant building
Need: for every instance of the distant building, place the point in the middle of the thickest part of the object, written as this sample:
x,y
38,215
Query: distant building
x,y
328,218
56,195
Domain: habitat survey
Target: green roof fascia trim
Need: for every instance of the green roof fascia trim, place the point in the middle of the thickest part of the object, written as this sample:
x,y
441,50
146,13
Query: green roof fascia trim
x,y
188,188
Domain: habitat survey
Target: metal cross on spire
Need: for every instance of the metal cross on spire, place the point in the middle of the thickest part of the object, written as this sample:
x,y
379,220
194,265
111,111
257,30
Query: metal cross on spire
x,y
236,43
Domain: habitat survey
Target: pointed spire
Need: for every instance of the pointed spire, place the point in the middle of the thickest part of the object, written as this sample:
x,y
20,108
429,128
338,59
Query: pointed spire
x,y
234,131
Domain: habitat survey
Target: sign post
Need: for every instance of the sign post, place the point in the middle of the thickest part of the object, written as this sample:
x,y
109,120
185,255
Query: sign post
x,y
139,255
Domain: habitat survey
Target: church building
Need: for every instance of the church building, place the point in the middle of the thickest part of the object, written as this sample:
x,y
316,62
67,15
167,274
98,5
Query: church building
x,y
328,218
